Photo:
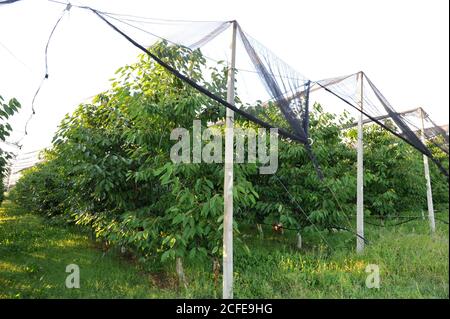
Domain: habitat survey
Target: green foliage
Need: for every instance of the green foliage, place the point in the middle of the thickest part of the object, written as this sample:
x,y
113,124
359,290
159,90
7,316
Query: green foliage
x,y
42,190
393,174
110,168
439,183
295,196
7,109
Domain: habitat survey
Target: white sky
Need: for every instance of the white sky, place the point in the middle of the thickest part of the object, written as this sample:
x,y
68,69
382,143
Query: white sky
x,y
402,45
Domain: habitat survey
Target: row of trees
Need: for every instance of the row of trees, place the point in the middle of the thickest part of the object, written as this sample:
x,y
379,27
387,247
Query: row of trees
x,y
110,168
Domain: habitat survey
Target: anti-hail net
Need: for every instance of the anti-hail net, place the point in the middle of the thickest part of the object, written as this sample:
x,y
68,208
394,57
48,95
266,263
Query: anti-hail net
x,y
360,93
264,82
289,91
17,164
422,125
261,77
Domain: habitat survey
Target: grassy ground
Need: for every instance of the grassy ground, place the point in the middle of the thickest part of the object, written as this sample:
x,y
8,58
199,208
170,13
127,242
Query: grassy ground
x,y
34,254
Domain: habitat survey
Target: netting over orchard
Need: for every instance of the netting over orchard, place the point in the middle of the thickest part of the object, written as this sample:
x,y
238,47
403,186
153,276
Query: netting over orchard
x,y
264,83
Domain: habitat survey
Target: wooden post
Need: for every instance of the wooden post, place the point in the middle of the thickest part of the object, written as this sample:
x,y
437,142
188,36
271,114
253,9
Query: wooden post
x,y
228,180
427,178
360,173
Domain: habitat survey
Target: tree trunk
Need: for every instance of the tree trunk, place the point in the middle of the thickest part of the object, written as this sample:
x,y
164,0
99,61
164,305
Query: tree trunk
x,y
216,271
260,231
180,272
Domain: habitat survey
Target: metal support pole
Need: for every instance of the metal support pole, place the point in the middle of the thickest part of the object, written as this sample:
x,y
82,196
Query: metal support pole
x,y
228,180
427,178
360,174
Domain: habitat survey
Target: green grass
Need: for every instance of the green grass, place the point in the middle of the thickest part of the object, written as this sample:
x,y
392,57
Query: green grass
x,y
413,264
34,255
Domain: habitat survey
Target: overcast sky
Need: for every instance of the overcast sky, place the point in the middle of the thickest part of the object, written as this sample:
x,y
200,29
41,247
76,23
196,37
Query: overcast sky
x,y
402,45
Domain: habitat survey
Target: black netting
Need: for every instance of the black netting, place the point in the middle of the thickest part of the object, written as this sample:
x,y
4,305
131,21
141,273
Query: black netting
x,y
271,80
264,82
289,91
359,92
422,125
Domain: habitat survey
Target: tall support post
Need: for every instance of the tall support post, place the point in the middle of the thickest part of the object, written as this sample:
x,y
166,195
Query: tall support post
x,y
360,173
228,179
427,178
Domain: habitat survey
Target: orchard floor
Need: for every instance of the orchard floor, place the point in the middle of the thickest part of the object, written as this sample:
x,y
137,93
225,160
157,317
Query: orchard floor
x,y
35,251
